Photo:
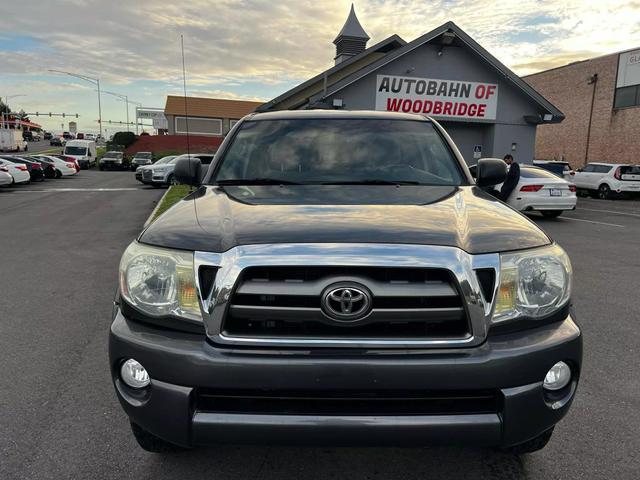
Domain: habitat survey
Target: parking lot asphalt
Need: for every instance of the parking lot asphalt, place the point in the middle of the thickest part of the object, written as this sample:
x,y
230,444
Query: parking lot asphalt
x,y
59,252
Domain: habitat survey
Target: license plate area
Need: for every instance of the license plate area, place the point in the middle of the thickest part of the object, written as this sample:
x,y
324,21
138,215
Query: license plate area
x,y
555,192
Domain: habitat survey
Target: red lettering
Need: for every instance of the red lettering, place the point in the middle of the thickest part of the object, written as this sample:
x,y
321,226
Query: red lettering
x,y
437,107
491,89
480,91
473,109
462,108
406,105
481,109
417,106
428,104
393,104
447,108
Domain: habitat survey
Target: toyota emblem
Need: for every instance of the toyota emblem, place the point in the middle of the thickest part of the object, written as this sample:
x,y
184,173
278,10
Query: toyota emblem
x,y
346,302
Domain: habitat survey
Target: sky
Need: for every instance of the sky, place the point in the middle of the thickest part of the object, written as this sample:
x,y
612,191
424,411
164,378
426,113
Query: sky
x,y
257,49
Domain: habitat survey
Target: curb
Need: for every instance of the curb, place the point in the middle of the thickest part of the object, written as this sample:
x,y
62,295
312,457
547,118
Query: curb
x,y
153,213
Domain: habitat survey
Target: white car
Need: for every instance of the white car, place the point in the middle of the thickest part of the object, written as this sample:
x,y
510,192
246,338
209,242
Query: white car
x,y
5,176
65,168
18,171
604,179
542,191
161,172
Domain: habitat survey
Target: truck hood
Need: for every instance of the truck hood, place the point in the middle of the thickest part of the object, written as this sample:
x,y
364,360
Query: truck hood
x,y
216,219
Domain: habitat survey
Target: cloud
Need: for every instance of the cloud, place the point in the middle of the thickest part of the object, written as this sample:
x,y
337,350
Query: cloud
x,y
259,48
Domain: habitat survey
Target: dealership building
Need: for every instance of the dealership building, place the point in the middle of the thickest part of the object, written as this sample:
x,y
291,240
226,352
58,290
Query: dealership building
x,y
487,109
601,100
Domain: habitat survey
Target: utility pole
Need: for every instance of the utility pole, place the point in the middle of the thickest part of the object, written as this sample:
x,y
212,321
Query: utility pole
x,y
593,80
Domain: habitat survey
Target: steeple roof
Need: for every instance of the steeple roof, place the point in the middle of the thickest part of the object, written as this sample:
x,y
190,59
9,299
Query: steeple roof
x,y
352,28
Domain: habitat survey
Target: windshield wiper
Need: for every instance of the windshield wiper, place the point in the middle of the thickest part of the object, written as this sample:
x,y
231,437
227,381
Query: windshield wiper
x,y
256,181
374,181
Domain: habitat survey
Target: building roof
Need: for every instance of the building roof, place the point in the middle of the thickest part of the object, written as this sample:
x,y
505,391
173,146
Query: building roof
x,y
209,107
352,28
391,43
467,41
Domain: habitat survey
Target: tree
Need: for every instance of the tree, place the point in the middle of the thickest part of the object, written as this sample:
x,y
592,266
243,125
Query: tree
x,y
4,108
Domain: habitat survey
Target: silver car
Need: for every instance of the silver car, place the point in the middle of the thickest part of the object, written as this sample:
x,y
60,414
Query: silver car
x,y
161,172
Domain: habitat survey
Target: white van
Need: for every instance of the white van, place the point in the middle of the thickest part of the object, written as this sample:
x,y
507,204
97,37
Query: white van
x,y
84,151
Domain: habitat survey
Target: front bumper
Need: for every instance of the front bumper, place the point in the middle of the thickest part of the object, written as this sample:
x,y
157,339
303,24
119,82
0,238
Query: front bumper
x,y
182,365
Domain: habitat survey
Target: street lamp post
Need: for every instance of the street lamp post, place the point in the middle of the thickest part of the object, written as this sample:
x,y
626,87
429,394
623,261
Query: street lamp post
x,y
94,81
125,99
6,102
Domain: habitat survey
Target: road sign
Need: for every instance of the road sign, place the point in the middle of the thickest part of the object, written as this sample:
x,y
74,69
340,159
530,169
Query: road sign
x,y
477,151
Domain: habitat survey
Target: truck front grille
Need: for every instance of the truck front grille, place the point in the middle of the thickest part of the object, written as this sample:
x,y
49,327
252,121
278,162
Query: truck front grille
x,y
406,303
147,175
343,402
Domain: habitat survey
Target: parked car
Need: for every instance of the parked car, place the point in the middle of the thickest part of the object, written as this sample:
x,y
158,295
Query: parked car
x,y
18,171
604,180
140,159
48,166
90,136
27,135
67,135
161,172
80,136
36,172
162,161
57,142
84,152
339,277
63,168
11,140
113,161
69,159
5,176
47,136
542,191
560,168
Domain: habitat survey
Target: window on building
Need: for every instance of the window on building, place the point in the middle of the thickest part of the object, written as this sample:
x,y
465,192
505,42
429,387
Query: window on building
x,y
627,97
198,126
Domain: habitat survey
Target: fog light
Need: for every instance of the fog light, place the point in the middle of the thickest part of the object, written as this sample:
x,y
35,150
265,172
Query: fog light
x,y
134,374
557,377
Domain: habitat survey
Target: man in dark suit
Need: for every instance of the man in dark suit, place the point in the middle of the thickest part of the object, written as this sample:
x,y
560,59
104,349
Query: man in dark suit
x,y
513,177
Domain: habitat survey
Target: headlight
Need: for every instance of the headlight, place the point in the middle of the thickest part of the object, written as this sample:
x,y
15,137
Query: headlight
x,y
159,281
533,283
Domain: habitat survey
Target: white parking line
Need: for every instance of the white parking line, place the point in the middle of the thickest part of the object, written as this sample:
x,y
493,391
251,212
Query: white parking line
x,y
611,211
593,221
45,190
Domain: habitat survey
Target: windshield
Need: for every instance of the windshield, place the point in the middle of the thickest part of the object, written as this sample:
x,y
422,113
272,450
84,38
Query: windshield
x,y
113,155
145,155
75,150
338,151
165,160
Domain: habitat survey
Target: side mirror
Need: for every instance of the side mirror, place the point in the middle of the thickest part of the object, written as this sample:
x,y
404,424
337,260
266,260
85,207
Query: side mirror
x,y
188,171
490,171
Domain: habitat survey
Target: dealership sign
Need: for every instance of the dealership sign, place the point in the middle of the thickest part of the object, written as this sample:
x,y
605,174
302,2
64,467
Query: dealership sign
x,y
440,98
155,114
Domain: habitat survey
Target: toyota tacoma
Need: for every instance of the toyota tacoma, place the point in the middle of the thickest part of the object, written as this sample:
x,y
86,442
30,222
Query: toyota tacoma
x,y
339,278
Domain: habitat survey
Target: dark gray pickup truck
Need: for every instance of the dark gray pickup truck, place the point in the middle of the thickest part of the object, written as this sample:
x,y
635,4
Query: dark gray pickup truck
x,y
339,278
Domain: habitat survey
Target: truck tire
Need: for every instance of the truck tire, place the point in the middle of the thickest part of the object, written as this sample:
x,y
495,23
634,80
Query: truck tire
x,y
149,442
530,446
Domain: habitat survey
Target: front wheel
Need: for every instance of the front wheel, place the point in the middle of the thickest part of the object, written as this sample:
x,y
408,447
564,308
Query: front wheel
x,y
58,173
533,445
149,442
604,192
172,180
551,213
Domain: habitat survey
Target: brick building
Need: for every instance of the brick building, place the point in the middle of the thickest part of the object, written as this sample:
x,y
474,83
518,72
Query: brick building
x,y
612,82
204,116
